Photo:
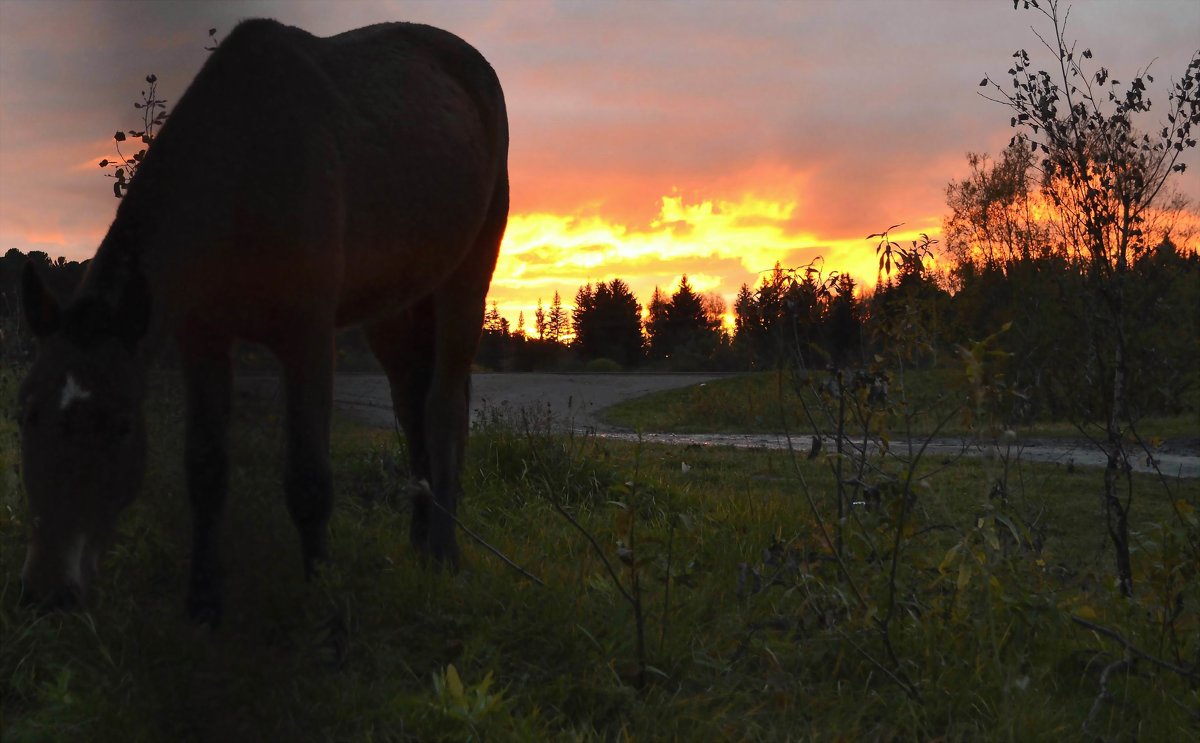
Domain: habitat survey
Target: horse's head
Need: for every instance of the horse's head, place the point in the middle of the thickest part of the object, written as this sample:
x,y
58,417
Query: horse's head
x,y
83,437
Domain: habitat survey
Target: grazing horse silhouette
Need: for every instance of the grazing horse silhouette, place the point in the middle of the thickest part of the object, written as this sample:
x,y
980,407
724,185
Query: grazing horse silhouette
x,y
301,184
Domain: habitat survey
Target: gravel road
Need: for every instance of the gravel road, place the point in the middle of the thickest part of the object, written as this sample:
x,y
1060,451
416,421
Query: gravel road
x,y
571,399
574,399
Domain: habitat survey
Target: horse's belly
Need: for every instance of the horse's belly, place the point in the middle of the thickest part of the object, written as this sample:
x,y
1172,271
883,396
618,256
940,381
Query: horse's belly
x,y
401,244
385,280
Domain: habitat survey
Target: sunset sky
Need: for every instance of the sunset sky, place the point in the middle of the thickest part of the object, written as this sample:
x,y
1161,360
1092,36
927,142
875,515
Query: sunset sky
x,y
649,139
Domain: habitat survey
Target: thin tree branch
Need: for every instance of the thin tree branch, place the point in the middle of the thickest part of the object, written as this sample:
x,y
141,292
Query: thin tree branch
x,y
484,544
903,683
588,535
1190,674
1104,695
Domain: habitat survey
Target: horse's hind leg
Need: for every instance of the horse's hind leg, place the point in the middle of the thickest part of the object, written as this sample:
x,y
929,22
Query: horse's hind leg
x,y
308,378
447,417
404,346
427,353
459,307
208,378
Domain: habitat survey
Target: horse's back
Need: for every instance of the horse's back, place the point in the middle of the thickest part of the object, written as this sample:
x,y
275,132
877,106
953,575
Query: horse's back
x,y
434,96
359,167
413,111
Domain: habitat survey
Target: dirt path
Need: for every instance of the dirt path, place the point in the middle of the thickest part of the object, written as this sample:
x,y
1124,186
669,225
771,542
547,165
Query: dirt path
x,y
572,400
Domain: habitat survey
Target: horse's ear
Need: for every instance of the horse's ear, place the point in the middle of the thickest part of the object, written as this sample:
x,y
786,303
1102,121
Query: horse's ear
x,y
133,310
41,309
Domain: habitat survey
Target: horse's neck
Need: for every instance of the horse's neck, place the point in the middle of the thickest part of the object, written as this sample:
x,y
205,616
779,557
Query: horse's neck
x,y
117,263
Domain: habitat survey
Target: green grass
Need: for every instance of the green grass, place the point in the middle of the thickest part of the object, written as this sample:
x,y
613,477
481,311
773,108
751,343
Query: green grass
x,y
758,637
766,402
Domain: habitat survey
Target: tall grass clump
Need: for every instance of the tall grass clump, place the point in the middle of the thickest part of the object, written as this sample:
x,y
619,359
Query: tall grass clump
x,y
935,597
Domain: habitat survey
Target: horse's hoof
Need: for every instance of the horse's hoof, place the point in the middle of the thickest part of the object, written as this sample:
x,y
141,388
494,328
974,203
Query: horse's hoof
x,y
204,601
315,551
337,638
439,556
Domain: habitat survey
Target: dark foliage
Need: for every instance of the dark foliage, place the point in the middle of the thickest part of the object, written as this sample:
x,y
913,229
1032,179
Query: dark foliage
x,y
797,311
686,330
608,323
60,276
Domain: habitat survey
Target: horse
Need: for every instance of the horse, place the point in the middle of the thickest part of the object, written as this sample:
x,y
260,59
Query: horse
x,y
301,184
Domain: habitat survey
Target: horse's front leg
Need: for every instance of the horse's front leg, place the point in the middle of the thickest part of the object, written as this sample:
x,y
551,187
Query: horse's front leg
x,y
308,376
208,378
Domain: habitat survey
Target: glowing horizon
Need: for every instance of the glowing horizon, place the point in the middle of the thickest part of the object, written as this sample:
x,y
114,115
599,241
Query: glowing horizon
x,y
719,244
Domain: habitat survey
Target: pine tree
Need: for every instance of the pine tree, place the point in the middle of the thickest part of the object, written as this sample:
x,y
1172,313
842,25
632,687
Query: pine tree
x,y
656,325
539,321
608,323
557,322
843,324
584,306
492,322
687,321
494,338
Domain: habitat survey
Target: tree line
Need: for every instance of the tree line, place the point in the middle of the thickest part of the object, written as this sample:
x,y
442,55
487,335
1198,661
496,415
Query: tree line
x,y
996,274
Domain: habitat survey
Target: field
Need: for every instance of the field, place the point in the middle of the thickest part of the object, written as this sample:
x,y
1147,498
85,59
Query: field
x,y
751,403
689,594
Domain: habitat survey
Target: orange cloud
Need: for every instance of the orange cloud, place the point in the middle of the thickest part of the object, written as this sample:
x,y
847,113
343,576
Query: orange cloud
x,y
46,238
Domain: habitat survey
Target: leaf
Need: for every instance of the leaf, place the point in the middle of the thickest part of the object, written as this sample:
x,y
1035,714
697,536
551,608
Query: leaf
x,y
1011,527
949,556
104,163
964,574
119,136
983,83
454,684
992,539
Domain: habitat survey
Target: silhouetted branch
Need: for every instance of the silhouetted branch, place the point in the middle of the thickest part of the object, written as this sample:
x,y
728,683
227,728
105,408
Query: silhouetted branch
x,y
1113,634
482,542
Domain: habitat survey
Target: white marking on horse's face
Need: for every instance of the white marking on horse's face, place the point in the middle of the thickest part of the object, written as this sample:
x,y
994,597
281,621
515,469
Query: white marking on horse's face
x,y
72,392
